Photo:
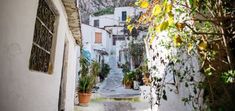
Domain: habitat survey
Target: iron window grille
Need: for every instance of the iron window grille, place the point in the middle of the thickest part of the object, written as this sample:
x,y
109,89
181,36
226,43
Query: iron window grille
x,y
42,39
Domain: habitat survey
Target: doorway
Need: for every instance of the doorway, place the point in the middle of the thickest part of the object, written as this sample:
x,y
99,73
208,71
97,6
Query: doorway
x,y
63,81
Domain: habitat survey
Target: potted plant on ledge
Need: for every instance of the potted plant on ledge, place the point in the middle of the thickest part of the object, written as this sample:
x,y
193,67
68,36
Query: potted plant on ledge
x,y
128,80
86,83
85,87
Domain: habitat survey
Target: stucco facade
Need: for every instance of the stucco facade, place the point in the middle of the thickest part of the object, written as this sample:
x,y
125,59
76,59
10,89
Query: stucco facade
x,y
22,89
169,63
114,23
104,20
115,18
89,44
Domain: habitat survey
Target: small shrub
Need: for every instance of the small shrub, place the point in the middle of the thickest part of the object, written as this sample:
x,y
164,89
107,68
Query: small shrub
x,y
108,10
125,68
86,83
104,71
128,78
95,68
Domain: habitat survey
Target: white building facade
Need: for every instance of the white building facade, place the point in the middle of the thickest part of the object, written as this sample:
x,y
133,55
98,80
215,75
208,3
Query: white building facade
x,y
97,41
38,55
114,23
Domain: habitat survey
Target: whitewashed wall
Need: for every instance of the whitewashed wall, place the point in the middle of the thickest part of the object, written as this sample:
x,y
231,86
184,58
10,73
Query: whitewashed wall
x,y
118,30
130,11
175,90
104,20
114,24
120,44
20,88
89,44
114,19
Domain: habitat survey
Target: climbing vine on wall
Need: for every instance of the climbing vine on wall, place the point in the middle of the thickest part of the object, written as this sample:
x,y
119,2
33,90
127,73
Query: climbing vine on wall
x,y
202,28
136,52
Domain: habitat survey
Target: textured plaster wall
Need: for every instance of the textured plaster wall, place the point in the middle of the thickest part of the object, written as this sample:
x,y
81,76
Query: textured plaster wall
x,y
104,20
20,88
175,92
89,44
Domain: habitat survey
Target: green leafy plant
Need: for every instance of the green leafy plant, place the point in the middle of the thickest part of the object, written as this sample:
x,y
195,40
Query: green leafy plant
x,y
137,53
86,83
86,80
95,68
84,64
108,10
104,71
139,75
125,67
228,77
206,28
128,78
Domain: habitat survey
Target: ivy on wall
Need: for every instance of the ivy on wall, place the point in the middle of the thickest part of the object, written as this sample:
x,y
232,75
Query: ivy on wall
x,y
200,28
137,53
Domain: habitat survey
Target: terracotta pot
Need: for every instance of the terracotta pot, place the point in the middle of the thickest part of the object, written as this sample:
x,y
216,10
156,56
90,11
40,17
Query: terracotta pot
x,y
84,98
128,86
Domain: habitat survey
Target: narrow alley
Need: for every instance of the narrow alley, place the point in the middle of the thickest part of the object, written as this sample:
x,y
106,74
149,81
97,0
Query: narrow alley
x,y
112,96
117,55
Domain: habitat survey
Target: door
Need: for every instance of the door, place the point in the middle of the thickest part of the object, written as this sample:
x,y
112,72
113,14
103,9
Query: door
x,y
62,93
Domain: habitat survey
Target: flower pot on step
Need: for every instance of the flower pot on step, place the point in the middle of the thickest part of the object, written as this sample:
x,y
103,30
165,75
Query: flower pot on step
x,y
84,98
128,85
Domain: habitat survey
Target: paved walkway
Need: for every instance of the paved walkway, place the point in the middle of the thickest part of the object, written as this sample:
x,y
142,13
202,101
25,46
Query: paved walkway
x,y
115,106
111,93
112,86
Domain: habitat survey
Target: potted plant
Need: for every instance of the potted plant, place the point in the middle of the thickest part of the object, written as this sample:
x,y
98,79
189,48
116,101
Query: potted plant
x,y
128,79
146,78
126,68
86,84
104,71
95,70
84,64
138,78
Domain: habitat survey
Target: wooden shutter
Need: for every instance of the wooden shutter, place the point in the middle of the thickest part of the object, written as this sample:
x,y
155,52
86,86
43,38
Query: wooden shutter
x,y
98,37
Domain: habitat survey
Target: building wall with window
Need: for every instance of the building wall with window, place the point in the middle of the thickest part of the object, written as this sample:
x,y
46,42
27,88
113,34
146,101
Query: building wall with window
x,y
120,13
104,20
118,18
22,88
96,39
114,23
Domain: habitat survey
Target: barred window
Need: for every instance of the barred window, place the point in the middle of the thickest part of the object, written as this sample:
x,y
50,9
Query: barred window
x,y
42,39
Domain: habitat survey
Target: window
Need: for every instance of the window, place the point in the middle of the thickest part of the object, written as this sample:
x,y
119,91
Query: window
x,y
96,23
98,37
123,15
42,39
114,41
117,37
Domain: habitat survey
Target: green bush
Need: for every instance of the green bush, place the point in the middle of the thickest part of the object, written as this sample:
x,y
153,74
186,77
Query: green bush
x,y
84,64
139,75
95,68
104,71
86,83
125,68
128,77
108,10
